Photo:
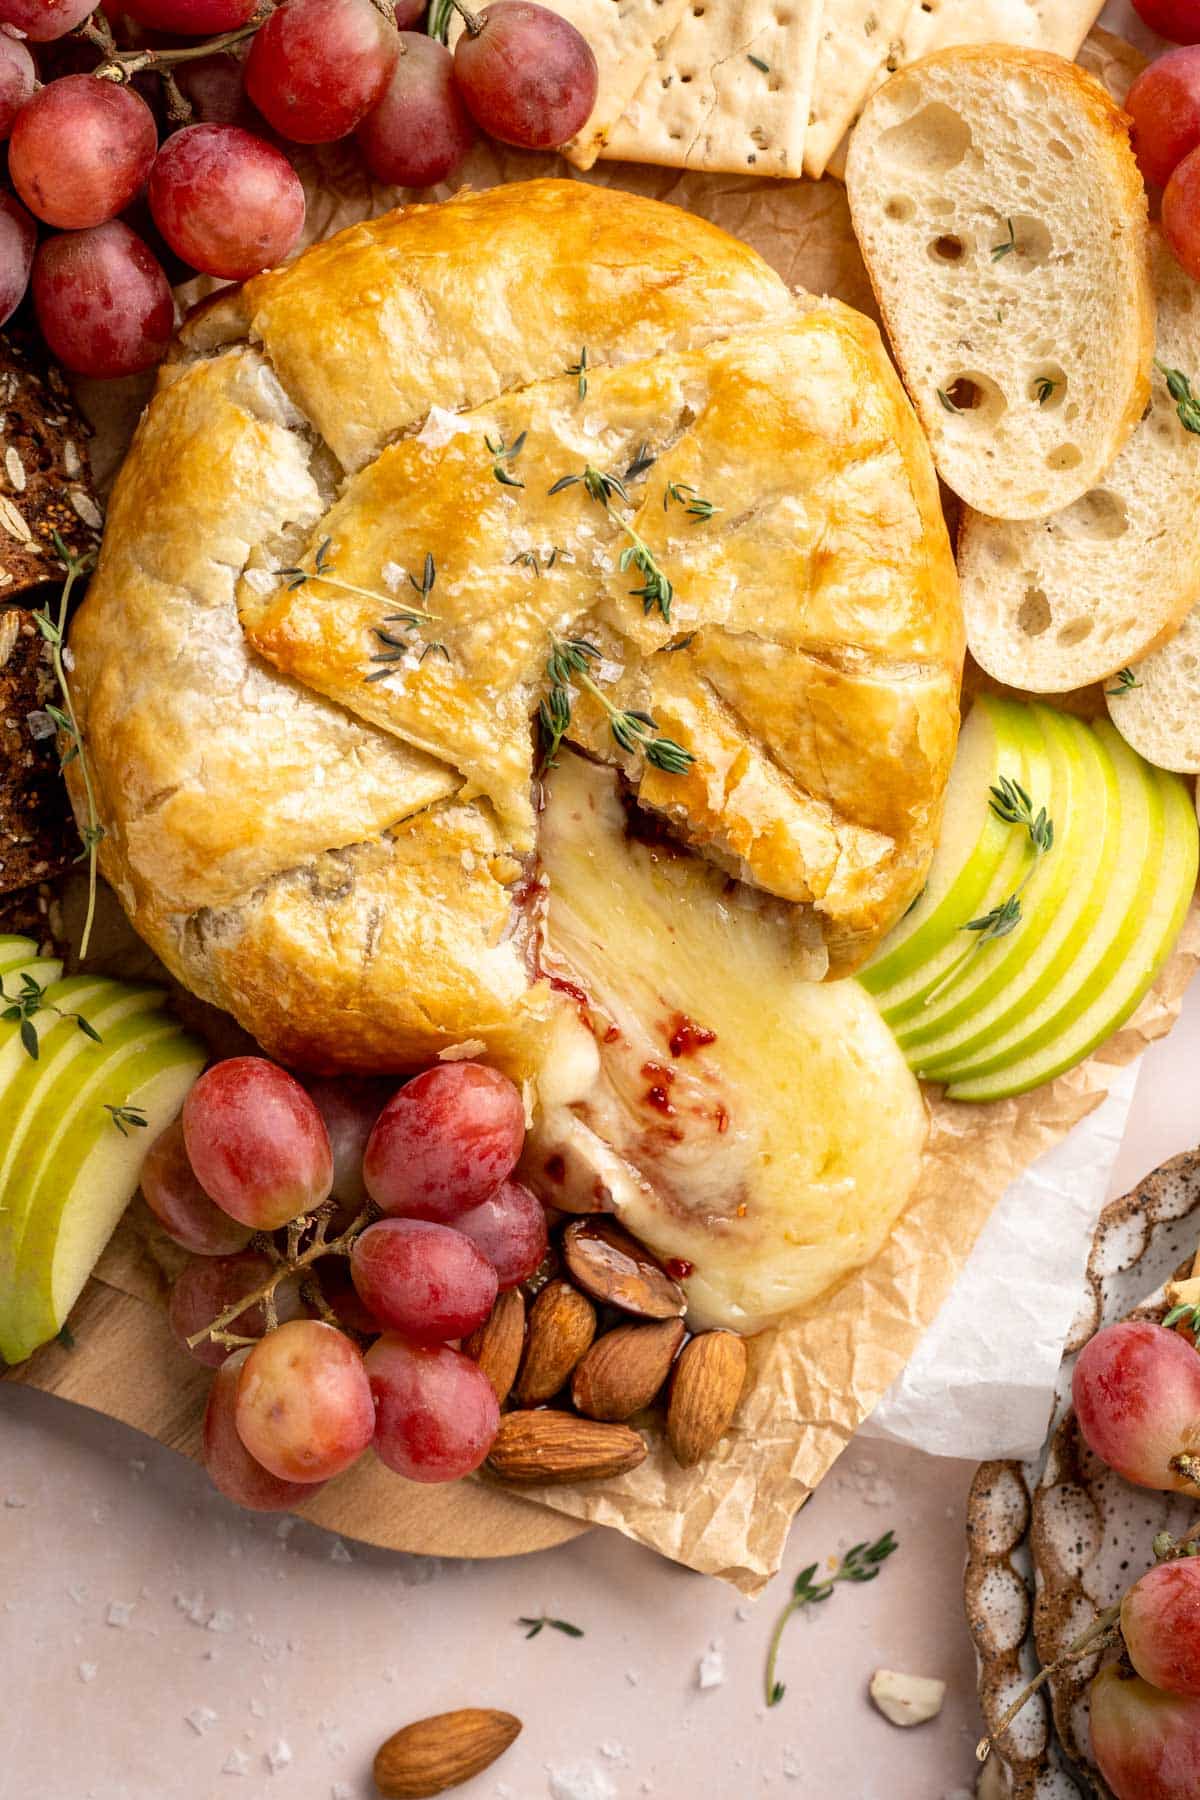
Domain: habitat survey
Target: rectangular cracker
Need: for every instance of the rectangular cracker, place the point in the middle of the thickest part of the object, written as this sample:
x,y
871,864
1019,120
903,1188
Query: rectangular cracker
x,y
708,103
1058,25
858,37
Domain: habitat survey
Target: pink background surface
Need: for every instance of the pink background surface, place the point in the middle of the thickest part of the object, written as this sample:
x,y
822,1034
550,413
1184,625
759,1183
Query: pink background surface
x,y
155,1644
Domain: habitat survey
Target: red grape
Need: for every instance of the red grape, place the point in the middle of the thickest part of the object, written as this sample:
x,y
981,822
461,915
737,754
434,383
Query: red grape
x,y
103,302
18,239
180,1204
426,1280
1164,104
1178,20
527,75
409,14
191,18
1181,213
318,66
80,150
510,1228
208,1284
1146,1743
349,1107
435,1409
215,89
1160,1622
420,131
257,1142
445,1142
1136,1391
18,78
304,1407
43,20
226,201
231,1468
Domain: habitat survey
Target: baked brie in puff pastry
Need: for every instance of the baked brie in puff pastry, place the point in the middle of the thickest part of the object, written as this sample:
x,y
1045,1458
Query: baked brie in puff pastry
x,y
310,663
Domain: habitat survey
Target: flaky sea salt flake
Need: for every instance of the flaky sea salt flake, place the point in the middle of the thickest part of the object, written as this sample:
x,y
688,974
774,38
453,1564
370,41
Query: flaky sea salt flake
x,y
279,1756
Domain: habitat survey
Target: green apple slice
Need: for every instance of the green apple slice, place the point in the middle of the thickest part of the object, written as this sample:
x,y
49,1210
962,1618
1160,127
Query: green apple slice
x,y
89,1178
19,957
906,1000
1147,902
78,1092
1009,976
994,740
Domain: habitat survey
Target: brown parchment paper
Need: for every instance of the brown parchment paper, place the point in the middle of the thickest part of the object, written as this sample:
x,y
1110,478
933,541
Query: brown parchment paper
x,y
812,1382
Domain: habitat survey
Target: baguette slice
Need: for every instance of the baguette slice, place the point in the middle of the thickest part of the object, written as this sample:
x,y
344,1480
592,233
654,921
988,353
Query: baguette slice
x,y
1056,603
1002,219
1159,717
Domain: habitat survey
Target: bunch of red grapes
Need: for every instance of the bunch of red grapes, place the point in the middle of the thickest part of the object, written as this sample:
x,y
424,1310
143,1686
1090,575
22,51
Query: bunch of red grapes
x,y
336,1361
1164,104
222,198
1136,1393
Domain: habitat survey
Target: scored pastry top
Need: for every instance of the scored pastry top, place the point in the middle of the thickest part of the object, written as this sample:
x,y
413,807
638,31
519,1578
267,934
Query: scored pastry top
x,y
311,659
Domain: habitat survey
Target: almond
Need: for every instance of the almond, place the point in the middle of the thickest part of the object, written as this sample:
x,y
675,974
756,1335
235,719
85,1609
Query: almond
x,y
558,1446
496,1345
705,1391
442,1752
625,1368
614,1268
562,1324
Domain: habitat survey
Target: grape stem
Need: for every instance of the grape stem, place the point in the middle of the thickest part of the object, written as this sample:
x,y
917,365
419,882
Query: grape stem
x,y
123,65
472,21
295,1260
1102,1632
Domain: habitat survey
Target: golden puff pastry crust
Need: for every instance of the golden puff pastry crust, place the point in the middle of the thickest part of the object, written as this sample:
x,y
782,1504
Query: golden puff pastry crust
x,y
310,661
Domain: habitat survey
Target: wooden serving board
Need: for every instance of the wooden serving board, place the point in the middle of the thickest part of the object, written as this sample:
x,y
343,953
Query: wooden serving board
x,y
126,1365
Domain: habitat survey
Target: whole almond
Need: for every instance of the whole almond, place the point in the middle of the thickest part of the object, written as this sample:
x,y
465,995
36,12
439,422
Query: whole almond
x,y
615,1269
496,1345
705,1390
559,1446
625,1368
440,1753
562,1324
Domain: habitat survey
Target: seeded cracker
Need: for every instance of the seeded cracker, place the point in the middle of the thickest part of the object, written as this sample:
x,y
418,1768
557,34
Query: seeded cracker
x,y
730,92
1057,25
858,38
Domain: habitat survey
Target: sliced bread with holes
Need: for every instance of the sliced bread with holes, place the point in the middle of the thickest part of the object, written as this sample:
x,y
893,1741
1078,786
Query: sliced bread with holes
x,y
1055,603
1002,219
1158,714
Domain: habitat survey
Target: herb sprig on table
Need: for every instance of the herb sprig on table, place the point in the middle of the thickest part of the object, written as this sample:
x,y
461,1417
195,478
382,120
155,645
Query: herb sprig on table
x,y
534,1626
861,1563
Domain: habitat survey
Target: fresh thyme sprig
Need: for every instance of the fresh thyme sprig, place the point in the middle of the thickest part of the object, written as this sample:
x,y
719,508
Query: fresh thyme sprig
x,y
531,559
1123,680
395,649
534,1626
504,454
693,504
1187,1313
862,1563
1044,386
1187,404
1006,248
758,63
580,369
1010,803
324,569
645,459
126,1118
53,630
31,999
947,403
656,589
635,732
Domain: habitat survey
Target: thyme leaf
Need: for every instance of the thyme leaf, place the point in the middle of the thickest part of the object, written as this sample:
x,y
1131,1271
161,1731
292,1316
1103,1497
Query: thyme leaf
x,y
645,459
126,1118
759,63
23,1006
861,1563
635,732
1043,387
947,402
656,589
580,369
1186,1314
1123,680
1187,404
534,1626
1006,248
503,454
689,499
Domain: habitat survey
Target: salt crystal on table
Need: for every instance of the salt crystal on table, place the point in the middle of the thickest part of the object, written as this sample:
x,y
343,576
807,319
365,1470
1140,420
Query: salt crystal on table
x,y
582,1781
614,1752
339,1791
236,1763
338,1552
258,1709
201,1719
15,1500
631,1676
279,1756
221,1621
710,1670
87,1671
137,1465
119,1613
77,1591
285,1528
794,1766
